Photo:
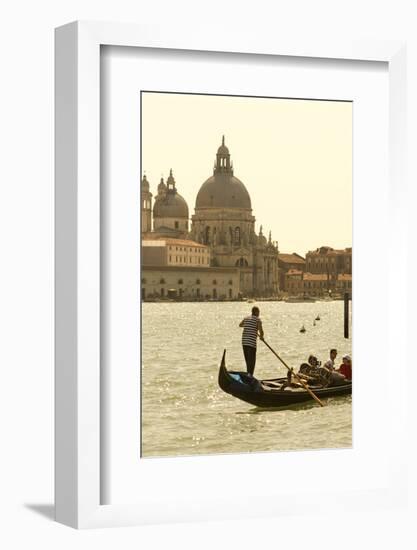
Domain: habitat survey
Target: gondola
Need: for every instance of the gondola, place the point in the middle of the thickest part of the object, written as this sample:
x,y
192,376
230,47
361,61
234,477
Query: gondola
x,y
269,393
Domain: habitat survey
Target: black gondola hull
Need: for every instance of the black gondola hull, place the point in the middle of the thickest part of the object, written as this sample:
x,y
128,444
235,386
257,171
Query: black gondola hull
x,y
253,391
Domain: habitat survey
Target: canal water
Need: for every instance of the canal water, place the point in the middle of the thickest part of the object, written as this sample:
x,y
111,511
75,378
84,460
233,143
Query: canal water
x,y
184,412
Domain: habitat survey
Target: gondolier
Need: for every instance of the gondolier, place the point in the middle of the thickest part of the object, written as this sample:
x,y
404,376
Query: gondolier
x,y
252,325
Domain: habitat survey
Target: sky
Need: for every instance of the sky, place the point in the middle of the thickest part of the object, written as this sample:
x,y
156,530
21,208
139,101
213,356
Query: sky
x,y
293,156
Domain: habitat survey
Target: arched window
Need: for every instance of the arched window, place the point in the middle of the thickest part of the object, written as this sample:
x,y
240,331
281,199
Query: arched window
x,y
237,235
207,235
162,281
180,281
230,282
197,282
241,262
214,282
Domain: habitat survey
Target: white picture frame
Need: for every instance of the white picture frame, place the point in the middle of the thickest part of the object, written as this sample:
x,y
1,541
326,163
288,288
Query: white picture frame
x,y
78,448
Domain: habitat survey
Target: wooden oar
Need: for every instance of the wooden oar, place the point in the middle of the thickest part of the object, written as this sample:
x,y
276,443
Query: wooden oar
x,y
313,395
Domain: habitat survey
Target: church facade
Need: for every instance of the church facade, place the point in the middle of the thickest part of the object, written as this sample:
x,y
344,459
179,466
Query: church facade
x,y
223,221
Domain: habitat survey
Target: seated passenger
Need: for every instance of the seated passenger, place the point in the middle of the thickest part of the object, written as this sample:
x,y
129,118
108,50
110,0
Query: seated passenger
x,y
311,366
335,378
346,367
329,364
314,371
313,361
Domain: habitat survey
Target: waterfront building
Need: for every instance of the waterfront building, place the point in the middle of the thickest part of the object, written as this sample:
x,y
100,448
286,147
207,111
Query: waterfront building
x,y
293,282
287,263
198,283
223,225
174,252
344,283
316,284
299,283
328,260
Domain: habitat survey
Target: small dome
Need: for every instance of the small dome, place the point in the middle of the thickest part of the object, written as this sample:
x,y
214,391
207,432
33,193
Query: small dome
x,y
223,150
223,191
172,205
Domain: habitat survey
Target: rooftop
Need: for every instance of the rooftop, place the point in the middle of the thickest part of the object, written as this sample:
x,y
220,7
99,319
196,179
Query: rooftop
x,y
329,251
315,277
149,241
193,270
291,258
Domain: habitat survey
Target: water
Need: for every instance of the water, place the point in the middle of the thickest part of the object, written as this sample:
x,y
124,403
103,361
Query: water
x,y
184,412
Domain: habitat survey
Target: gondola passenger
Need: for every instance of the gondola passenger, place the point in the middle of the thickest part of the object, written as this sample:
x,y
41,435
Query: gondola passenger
x,y
346,367
329,364
314,372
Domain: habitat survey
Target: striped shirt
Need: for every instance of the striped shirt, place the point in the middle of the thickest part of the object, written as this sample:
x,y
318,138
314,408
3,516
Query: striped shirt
x,y
250,331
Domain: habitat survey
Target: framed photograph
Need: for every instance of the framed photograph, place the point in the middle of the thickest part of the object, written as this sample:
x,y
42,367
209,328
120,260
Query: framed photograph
x,y
204,273
221,206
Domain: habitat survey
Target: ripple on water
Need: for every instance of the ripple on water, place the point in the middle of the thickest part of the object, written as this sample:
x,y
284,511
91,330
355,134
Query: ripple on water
x,y
184,411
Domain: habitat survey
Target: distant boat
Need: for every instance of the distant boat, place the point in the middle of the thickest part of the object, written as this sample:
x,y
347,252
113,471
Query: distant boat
x,y
317,318
303,329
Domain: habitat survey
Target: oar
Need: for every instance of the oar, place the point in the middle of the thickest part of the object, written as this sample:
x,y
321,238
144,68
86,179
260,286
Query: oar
x,y
313,395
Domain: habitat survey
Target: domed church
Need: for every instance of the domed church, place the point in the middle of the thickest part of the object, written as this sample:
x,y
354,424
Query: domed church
x,y
170,210
224,221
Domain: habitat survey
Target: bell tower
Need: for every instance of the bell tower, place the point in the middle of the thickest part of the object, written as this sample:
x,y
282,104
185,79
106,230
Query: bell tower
x,y
171,183
146,200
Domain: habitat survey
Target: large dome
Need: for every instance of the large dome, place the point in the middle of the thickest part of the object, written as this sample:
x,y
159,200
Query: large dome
x,y
223,190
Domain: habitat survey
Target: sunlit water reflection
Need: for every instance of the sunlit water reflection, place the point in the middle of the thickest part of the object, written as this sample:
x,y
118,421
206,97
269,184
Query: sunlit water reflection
x,y
184,411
